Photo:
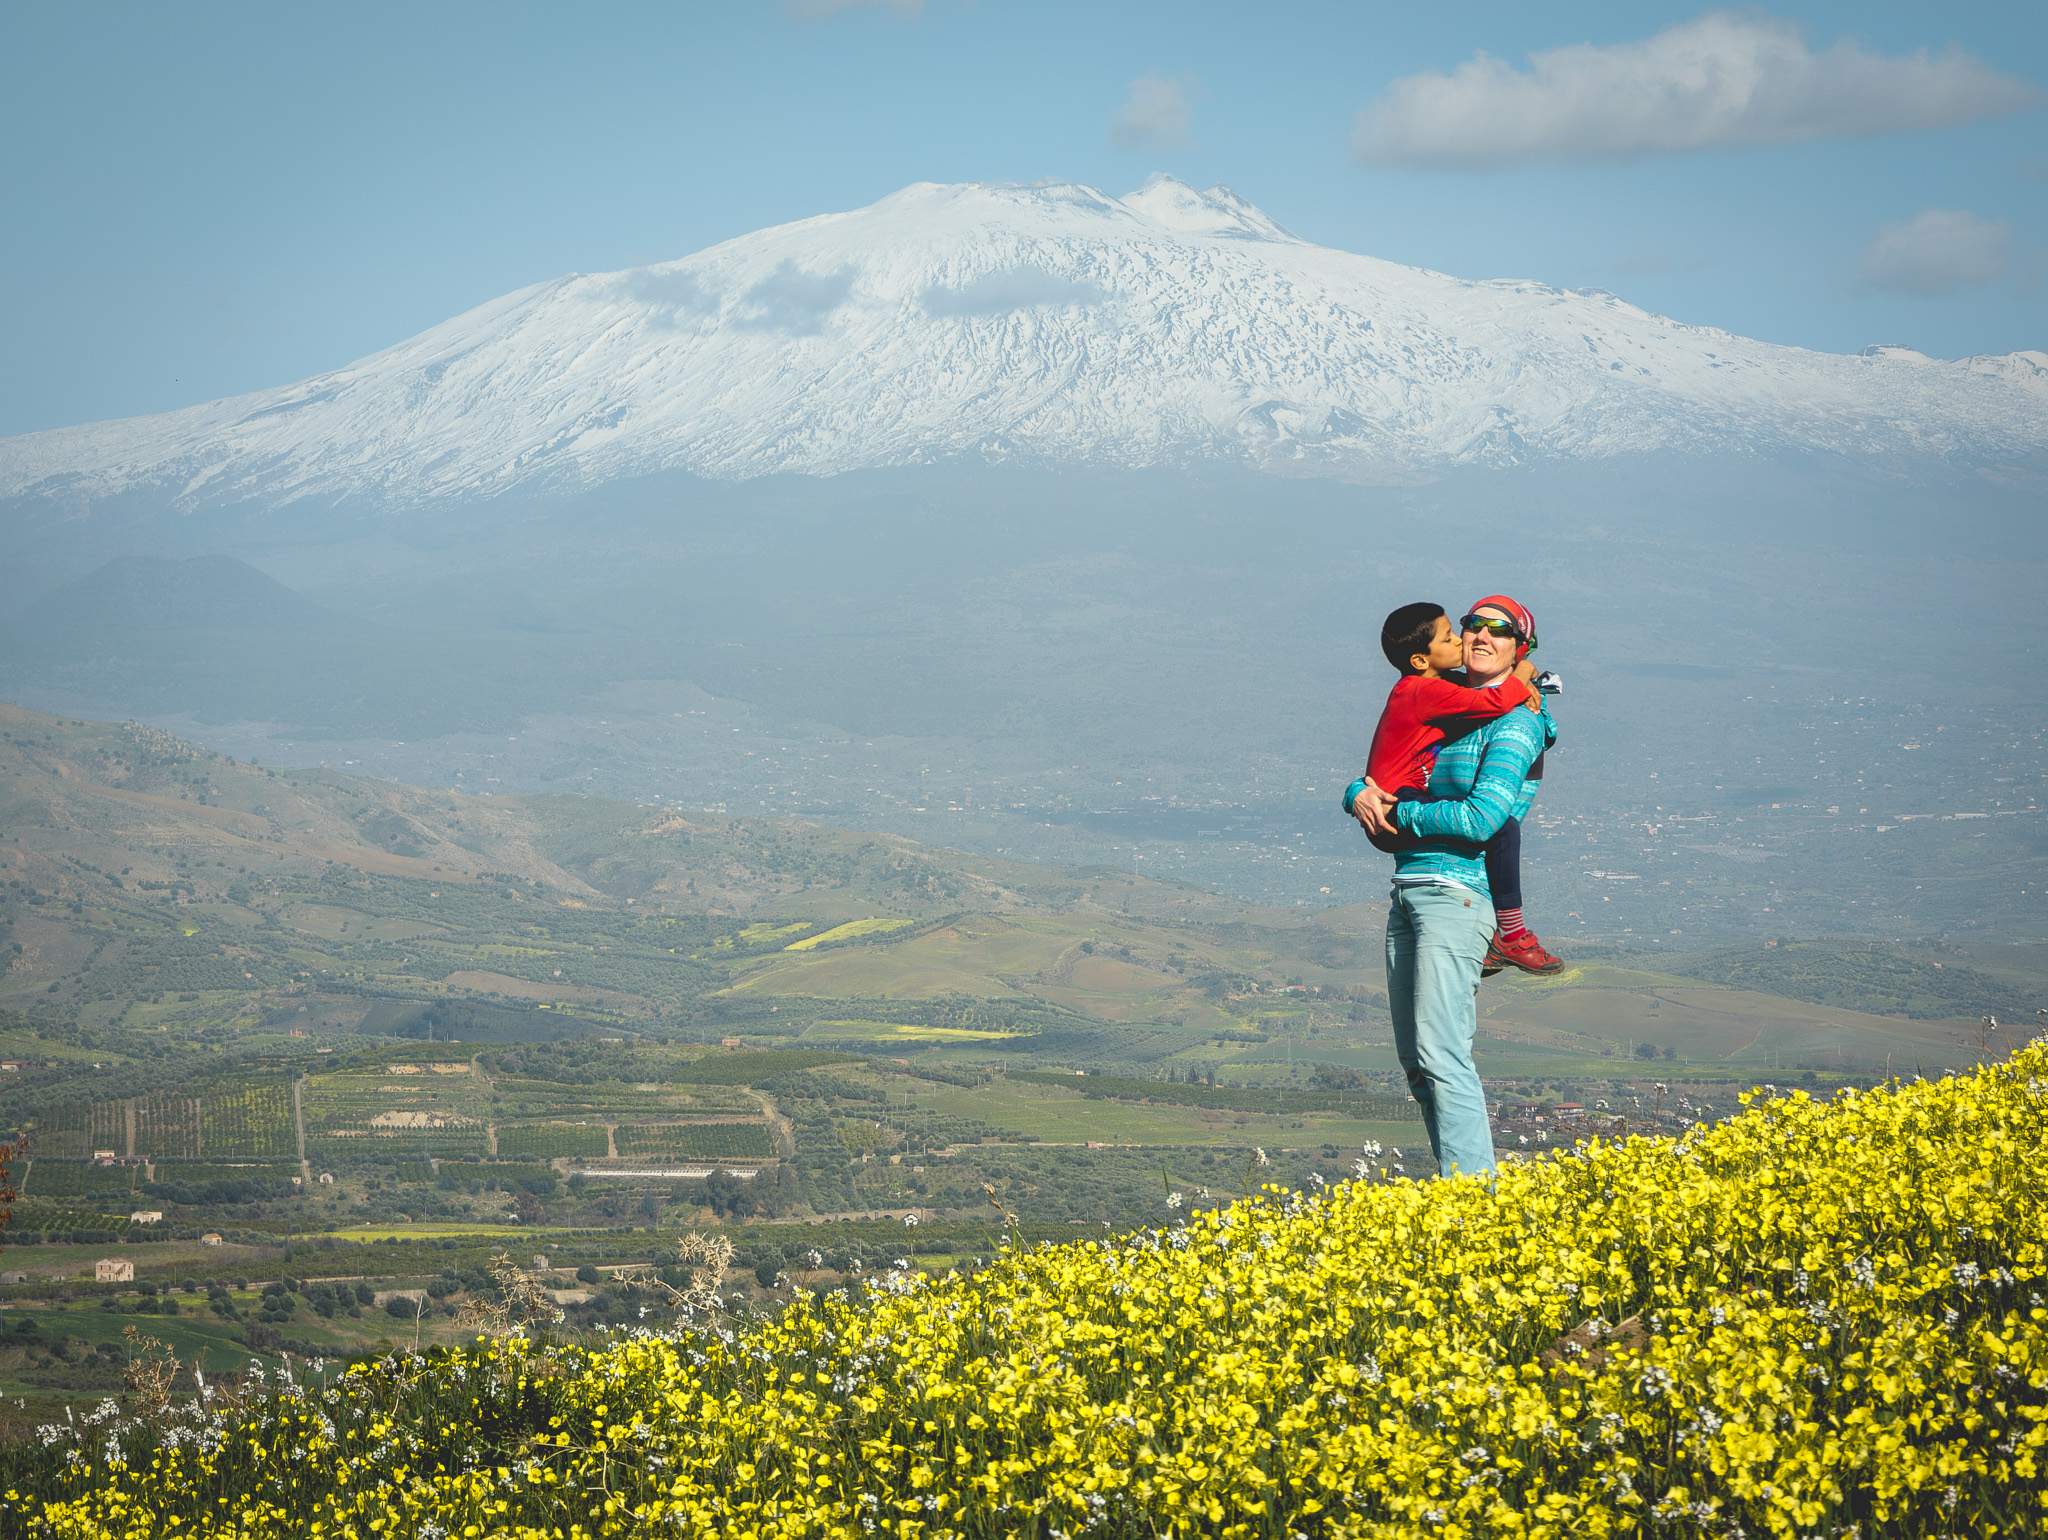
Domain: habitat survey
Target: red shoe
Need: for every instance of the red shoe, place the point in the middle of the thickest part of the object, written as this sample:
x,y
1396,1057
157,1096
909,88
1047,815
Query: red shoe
x,y
1524,951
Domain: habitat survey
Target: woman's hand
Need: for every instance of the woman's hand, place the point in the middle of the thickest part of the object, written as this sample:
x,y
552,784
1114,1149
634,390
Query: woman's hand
x,y
1374,810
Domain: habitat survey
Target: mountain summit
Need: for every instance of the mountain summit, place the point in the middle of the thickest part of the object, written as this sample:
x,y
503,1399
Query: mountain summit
x,y
1050,323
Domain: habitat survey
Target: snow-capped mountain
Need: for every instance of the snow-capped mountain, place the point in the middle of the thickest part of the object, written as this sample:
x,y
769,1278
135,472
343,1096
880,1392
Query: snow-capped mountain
x,y
1051,323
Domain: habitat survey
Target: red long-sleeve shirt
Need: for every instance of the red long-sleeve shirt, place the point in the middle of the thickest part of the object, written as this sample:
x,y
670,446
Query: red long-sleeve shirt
x,y
1420,715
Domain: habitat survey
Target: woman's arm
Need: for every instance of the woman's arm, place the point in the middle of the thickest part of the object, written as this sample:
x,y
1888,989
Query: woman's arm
x,y
1478,815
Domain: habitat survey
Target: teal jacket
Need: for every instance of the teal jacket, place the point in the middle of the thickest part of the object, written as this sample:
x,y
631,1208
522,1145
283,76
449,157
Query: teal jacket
x,y
1480,781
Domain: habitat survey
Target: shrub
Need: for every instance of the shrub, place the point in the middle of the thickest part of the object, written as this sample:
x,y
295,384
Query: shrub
x,y
731,1197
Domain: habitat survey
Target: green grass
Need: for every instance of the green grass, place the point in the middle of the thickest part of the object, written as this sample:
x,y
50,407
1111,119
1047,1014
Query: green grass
x,y
899,1031
427,1231
1598,1010
1277,1099
197,1331
1350,1136
189,1332
850,931
1058,1116
1862,977
753,1068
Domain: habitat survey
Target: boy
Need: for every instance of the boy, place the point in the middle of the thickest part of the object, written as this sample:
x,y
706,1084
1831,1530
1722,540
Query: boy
x,y
1427,709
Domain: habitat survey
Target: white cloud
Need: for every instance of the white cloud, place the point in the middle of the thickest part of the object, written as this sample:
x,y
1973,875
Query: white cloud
x,y
1157,114
814,10
1938,250
1722,79
666,298
792,300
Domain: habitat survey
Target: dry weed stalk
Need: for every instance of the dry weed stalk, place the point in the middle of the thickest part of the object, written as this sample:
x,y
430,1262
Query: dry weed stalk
x,y
705,1258
526,1302
150,1371
1009,1220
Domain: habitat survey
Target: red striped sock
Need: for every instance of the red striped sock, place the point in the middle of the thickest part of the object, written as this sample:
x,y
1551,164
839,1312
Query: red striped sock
x,y
1510,921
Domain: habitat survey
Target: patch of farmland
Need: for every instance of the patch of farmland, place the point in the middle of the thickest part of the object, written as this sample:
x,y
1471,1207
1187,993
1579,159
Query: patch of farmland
x,y
898,1031
249,1119
349,1147
210,1171
1622,1009
403,1120
46,1178
702,1141
552,1140
852,930
752,1068
1060,1116
551,1098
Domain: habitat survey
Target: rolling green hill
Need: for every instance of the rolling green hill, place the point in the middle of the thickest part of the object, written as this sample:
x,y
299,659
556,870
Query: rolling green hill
x,y
162,908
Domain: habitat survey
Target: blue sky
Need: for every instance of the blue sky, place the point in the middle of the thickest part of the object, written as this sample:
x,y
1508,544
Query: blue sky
x,y
204,199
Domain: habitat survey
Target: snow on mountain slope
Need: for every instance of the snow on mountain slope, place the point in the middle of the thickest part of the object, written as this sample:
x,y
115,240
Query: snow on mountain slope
x,y
1052,323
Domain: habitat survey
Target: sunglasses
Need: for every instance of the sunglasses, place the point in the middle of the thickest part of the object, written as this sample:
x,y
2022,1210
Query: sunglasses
x,y
1490,626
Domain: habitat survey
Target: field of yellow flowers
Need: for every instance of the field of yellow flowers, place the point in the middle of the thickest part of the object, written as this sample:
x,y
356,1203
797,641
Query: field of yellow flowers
x,y
1820,1318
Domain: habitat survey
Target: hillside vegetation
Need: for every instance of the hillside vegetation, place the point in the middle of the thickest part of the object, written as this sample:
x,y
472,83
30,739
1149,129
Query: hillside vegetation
x,y
152,892
1859,976
278,1038
81,793
1816,1318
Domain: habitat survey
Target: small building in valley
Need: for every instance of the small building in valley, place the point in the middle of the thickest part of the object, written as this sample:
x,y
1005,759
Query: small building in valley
x,y
113,1270
210,1238
147,1216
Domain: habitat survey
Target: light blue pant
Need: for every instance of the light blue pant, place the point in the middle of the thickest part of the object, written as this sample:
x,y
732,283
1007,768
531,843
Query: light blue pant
x,y
1436,940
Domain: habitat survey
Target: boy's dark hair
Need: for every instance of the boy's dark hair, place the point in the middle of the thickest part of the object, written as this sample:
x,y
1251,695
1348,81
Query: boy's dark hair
x,y
1407,631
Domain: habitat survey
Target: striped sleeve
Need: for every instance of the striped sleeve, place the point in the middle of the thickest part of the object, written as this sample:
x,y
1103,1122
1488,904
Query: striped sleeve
x,y
1511,746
